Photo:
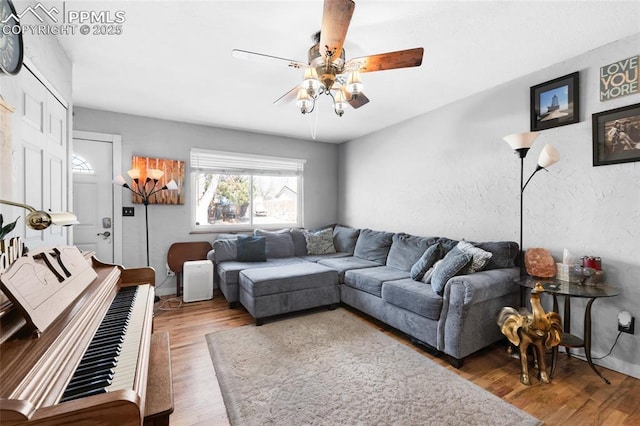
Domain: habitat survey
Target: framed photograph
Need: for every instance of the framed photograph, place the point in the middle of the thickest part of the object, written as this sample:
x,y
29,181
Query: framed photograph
x,y
616,135
555,103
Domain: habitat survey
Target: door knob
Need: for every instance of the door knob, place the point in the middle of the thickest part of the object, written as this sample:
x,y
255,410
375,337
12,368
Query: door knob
x,y
105,234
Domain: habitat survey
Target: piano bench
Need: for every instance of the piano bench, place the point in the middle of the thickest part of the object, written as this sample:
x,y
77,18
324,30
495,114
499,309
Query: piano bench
x,y
159,403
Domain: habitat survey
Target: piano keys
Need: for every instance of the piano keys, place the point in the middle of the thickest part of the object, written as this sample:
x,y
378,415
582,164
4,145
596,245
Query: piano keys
x,y
88,363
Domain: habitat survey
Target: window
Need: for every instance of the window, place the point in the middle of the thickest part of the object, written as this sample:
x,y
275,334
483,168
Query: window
x,y
80,165
239,191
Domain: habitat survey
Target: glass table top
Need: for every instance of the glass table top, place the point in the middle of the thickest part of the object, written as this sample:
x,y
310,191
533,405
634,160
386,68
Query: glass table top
x,y
565,288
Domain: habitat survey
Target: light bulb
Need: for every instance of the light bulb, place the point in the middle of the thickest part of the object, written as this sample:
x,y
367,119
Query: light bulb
x,y
340,103
354,84
304,101
310,82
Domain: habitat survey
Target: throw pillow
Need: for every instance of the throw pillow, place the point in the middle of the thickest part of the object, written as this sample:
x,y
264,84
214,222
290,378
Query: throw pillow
x,y
504,253
406,250
373,245
426,261
452,264
252,249
427,275
344,238
480,257
279,243
225,249
320,242
299,241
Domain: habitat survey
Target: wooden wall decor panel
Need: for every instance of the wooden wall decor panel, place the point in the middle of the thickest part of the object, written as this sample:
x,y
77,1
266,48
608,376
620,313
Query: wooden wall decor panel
x,y
173,169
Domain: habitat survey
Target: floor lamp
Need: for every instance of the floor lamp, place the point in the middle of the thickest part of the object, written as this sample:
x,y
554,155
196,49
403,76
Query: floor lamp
x,y
521,143
145,191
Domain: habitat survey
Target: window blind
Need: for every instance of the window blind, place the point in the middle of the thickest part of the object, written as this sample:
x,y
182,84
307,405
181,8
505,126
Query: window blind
x,y
209,161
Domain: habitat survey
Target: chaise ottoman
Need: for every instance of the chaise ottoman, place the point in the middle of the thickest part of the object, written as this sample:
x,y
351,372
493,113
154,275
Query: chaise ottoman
x,y
276,290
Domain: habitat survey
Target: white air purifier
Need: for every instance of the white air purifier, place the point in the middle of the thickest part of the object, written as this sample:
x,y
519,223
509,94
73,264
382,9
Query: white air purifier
x,y
197,280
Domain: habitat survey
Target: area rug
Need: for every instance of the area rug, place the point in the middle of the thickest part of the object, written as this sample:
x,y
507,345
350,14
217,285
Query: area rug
x,y
331,368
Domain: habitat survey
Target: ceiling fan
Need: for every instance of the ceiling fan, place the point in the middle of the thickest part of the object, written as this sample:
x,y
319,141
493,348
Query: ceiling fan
x,y
326,71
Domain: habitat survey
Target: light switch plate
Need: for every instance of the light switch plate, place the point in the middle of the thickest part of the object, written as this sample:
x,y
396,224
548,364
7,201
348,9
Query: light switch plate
x,y
128,211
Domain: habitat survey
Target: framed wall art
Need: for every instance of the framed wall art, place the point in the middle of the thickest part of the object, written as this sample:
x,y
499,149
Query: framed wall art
x,y
555,103
620,79
616,135
172,169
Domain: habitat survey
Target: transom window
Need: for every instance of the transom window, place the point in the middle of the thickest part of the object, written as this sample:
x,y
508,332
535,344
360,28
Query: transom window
x,y
234,191
80,165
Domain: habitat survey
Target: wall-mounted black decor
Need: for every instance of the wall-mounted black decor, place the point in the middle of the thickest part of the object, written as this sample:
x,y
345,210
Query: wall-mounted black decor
x,y
616,135
555,103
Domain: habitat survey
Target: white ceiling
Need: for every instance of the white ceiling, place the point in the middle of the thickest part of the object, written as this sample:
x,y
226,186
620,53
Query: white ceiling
x,y
173,60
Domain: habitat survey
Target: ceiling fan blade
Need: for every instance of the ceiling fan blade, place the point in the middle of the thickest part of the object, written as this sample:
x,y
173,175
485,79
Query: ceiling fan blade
x,y
355,102
287,97
358,101
336,17
386,61
268,59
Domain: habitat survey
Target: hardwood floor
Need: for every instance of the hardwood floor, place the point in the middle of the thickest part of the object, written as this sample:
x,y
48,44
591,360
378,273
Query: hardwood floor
x,y
576,395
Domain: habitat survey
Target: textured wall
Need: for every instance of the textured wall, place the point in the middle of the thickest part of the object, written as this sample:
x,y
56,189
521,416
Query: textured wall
x,y
168,139
449,173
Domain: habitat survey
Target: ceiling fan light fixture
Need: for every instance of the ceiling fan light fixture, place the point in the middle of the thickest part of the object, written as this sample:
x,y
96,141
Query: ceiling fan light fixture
x,y
310,81
340,103
304,101
354,83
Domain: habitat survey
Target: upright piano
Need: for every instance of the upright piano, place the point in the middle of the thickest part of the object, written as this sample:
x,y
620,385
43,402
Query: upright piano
x,y
74,340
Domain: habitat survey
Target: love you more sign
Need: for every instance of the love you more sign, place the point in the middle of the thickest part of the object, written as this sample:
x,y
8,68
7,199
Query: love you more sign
x,y
619,79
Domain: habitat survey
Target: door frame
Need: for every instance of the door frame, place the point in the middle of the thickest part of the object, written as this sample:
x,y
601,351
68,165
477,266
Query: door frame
x,y
116,152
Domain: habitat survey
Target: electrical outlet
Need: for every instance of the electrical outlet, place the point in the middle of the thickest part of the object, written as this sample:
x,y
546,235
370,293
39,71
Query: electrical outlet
x,y
626,323
170,273
128,211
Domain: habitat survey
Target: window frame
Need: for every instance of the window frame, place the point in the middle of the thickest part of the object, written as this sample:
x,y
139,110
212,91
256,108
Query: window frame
x,y
203,161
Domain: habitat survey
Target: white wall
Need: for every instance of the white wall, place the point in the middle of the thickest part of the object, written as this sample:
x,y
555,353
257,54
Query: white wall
x,y
168,139
449,173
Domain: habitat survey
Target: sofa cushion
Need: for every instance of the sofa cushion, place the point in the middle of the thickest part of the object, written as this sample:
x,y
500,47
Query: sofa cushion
x,y
504,253
413,296
224,250
228,271
345,238
299,242
370,279
426,261
406,250
454,262
343,264
231,236
373,245
279,243
480,258
318,257
283,279
252,249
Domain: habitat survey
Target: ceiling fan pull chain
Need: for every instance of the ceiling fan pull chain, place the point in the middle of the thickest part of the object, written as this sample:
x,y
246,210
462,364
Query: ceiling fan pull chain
x,y
313,125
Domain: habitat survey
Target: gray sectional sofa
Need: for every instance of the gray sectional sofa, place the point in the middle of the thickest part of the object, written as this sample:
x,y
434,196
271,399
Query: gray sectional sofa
x,y
444,294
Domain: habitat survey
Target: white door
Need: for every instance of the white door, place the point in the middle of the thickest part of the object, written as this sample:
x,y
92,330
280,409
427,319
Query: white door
x,y
93,197
39,150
